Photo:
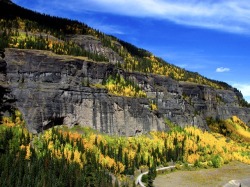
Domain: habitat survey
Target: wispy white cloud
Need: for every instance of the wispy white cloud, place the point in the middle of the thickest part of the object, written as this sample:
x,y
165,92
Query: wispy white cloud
x,y
190,59
109,29
230,15
222,70
245,90
247,99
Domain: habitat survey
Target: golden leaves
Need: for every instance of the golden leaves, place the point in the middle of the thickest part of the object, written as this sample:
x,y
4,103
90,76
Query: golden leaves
x,y
119,154
117,85
27,150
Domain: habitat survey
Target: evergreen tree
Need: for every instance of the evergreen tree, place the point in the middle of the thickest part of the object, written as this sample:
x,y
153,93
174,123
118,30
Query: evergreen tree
x,y
150,179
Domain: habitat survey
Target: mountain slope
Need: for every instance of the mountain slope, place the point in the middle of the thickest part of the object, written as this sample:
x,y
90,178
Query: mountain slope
x,y
69,73
83,157
133,58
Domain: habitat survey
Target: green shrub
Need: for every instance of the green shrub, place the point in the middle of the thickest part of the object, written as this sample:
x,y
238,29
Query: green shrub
x,y
144,178
217,161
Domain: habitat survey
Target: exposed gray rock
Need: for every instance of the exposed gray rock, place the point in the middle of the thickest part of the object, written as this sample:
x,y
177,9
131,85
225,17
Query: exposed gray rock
x,y
6,99
50,89
94,45
237,183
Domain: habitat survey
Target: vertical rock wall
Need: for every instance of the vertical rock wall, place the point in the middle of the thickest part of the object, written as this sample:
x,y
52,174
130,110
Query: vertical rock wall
x,y
50,90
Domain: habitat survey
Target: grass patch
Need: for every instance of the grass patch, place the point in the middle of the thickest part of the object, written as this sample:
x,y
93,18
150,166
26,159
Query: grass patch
x,y
205,177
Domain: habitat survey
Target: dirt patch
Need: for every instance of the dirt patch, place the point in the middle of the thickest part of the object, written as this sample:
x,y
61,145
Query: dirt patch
x,y
205,177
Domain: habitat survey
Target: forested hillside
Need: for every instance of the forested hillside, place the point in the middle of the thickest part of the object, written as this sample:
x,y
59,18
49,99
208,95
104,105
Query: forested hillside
x,y
59,71
83,157
25,29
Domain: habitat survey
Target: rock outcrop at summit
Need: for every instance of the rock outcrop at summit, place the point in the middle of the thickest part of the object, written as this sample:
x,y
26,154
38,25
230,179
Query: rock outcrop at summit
x,y
51,90
94,45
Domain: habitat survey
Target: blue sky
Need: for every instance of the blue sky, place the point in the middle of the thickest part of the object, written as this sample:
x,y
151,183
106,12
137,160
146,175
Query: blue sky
x,y
211,37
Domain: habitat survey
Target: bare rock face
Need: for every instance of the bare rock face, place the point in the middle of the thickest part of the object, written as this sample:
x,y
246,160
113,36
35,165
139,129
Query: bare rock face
x,y
94,45
51,90
6,98
3,88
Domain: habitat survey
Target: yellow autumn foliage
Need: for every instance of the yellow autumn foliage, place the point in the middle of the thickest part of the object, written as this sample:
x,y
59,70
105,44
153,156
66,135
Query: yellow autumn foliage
x,y
28,152
117,85
189,144
153,107
235,128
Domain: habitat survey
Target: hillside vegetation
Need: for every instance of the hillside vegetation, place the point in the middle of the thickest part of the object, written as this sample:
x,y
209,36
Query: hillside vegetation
x,y
83,157
117,85
234,128
23,28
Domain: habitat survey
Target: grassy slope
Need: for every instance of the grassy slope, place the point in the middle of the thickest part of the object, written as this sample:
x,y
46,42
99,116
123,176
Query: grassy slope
x,y
234,129
205,177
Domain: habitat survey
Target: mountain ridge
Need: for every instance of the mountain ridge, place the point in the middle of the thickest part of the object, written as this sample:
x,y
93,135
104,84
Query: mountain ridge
x,y
69,73
106,40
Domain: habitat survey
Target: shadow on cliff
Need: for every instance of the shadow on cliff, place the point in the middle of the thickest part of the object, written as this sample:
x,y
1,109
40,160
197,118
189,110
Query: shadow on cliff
x,y
54,122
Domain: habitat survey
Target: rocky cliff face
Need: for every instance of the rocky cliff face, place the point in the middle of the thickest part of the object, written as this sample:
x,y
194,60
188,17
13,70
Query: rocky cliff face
x,y
51,90
94,45
3,65
6,98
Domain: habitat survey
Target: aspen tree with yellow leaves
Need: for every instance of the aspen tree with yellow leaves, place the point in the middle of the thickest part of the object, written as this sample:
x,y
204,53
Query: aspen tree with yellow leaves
x,y
93,152
117,85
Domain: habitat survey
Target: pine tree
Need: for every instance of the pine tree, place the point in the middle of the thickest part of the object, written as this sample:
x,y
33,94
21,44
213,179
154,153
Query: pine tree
x,y
150,179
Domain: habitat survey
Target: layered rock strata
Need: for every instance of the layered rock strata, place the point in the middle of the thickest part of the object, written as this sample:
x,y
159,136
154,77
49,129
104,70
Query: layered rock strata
x,y
51,90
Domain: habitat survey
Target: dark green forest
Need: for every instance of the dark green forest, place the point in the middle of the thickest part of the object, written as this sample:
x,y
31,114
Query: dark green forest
x,y
18,168
81,156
